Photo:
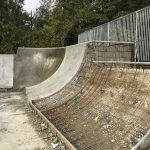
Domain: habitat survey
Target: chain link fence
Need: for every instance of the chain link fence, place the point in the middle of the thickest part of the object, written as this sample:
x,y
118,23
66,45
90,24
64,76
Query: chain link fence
x,y
134,27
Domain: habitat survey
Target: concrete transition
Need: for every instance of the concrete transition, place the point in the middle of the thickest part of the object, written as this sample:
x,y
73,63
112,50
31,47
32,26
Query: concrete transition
x,y
103,105
34,65
95,104
73,58
6,71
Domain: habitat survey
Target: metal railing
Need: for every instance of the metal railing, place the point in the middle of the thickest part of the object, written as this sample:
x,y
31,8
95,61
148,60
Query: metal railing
x,y
142,142
134,27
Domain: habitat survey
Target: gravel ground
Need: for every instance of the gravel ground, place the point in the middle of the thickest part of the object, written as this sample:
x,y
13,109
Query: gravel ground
x,y
16,129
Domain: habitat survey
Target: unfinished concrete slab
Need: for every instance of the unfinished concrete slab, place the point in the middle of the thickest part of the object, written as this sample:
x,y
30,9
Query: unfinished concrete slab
x,y
6,71
109,111
105,105
92,104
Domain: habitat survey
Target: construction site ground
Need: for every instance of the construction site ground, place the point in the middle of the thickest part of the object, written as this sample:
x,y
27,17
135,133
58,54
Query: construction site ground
x,y
17,131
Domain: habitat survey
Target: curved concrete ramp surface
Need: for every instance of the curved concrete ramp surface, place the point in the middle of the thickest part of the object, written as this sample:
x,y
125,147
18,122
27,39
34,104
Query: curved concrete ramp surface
x,y
94,51
34,65
105,105
72,61
111,111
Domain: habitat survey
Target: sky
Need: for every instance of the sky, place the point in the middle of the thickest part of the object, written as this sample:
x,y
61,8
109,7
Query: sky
x,y
31,5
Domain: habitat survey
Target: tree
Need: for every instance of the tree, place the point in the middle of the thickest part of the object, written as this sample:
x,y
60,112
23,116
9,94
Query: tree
x,y
14,24
58,22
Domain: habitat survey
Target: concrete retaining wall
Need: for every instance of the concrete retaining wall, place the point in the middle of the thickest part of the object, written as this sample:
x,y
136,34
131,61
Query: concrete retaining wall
x,y
6,71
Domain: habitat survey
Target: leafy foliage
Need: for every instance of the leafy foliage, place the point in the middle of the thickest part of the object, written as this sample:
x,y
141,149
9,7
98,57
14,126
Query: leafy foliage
x,y
57,22
14,24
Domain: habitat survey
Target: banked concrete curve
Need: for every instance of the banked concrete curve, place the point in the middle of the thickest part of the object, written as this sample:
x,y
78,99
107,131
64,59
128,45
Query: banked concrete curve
x,y
73,59
34,65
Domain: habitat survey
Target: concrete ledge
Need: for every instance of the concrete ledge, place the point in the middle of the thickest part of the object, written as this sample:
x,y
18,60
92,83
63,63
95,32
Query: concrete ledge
x,y
6,71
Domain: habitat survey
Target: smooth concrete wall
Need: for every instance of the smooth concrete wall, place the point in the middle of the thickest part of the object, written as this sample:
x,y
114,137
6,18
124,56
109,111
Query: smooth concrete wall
x,y
6,71
72,61
34,65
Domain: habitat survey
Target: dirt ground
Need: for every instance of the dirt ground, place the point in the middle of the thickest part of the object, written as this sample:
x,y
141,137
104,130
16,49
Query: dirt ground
x,y
16,129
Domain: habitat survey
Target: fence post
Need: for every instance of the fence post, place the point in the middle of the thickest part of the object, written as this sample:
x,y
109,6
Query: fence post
x,y
136,38
108,38
108,30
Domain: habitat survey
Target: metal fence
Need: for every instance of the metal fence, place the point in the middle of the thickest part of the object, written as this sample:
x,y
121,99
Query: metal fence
x,y
134,27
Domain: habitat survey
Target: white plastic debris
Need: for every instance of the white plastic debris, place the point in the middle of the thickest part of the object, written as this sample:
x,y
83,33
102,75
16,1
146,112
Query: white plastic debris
x,y
146,105
54,145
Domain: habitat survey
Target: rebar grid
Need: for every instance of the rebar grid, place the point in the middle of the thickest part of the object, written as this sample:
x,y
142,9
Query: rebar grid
x,y
94,49
106,105
76,83
118,97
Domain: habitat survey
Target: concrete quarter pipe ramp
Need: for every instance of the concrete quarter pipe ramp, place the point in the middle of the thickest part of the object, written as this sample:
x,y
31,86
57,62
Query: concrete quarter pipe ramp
x,y
111,111
70,65
34,65
90,96
103,105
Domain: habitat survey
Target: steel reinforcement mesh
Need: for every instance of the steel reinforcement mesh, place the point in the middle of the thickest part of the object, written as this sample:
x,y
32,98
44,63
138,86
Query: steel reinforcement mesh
x,y
105,106
95,51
